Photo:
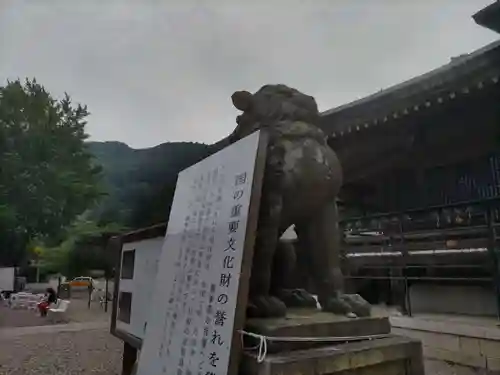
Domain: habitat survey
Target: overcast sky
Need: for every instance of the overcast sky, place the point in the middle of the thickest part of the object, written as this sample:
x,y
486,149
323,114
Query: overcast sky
x,y
157,71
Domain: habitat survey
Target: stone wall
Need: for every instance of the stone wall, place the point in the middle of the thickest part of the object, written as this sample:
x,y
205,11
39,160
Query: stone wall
x,y
476,346
453,299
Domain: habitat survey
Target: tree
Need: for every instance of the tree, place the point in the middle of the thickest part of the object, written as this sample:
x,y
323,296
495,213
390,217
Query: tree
x,y
158,181
47,175
83,249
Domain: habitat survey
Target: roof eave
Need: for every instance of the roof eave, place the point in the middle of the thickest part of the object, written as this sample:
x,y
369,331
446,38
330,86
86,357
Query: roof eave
x,y
476,70
489,17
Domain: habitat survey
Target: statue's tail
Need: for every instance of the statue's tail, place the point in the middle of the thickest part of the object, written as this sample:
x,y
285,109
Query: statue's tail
x,y
224,142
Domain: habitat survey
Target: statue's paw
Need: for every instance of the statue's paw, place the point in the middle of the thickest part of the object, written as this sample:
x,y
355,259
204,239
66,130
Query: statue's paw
x,y
349,305
359,305
265,307
296,298
337,305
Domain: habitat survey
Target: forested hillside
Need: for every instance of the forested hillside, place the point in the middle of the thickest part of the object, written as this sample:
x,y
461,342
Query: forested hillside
x,y
140,182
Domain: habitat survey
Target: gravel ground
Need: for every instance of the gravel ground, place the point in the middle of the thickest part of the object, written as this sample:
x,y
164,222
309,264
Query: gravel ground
x,y
95,351
78,311
61,353
87,351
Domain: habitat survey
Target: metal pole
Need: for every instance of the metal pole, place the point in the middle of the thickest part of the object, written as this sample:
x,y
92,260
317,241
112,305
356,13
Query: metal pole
x,y
494,256
407,298
90,294
106,296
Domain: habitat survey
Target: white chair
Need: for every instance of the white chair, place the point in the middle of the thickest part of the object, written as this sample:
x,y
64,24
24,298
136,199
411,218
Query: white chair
x,y
58,312
4,301
100,297
12,301
18,301
33,301
23,300
32,304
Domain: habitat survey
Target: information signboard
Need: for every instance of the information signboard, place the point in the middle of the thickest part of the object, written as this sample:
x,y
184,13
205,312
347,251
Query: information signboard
x,y
138,273
201,290
137,258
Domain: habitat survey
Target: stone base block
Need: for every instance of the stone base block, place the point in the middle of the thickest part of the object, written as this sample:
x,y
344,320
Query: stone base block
x,y
392,355
313,323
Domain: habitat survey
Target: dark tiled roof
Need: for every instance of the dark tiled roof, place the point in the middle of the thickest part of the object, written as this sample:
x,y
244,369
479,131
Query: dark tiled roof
x,y
145,233
463,74
489,17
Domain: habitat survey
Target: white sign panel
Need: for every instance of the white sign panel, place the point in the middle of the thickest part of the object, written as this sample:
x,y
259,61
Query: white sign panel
x,y
191,323
7,276
146,257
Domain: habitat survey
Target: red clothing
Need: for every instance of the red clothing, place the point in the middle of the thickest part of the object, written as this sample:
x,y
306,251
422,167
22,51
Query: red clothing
x,y
50,297
43,307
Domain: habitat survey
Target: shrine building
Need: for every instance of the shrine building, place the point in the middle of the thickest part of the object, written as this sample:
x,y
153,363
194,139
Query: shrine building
x,y
421,200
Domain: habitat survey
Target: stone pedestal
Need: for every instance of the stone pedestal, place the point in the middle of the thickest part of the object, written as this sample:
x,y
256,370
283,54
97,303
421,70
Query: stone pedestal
x,y
383,355
393,355
313,323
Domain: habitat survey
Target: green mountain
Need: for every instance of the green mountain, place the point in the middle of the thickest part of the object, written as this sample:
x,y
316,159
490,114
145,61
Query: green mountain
x,y
140,182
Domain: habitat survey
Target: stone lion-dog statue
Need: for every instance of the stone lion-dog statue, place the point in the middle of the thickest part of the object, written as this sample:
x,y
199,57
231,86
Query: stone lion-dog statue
x,y
302,179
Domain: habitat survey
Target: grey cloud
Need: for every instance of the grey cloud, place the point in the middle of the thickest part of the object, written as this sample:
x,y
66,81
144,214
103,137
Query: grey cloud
x,y
161,71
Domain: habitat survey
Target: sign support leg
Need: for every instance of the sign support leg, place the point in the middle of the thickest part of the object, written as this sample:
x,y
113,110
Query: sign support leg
x,y
129,358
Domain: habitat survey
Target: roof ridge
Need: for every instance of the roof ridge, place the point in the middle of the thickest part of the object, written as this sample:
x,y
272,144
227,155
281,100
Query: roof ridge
x,y
453,63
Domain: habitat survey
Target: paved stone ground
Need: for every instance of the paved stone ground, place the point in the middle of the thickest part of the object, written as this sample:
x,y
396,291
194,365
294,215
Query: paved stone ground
x,y
85,345
88,348
434,367
95,351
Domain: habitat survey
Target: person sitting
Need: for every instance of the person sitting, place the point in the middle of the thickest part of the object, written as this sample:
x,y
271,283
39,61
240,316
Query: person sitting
x,y
50,298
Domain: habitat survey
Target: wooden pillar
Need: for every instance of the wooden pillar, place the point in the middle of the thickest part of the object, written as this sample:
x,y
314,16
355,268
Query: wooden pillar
x,y
129,358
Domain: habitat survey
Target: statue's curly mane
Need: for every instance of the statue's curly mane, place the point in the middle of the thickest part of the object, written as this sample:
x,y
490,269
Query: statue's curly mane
x,y
273,106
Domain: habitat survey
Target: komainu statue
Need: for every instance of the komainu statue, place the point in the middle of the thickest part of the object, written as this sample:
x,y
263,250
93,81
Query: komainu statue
x,y
302,179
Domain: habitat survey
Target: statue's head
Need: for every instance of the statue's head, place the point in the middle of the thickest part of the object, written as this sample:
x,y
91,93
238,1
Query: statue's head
x,y
275,103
